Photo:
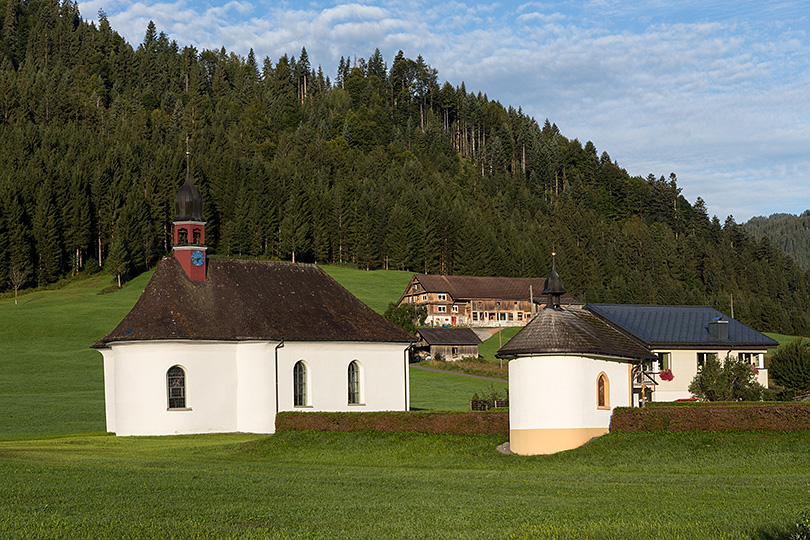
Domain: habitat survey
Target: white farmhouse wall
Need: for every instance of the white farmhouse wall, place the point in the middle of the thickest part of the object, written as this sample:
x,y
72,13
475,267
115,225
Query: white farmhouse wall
x,y
553,401
231,387
684,369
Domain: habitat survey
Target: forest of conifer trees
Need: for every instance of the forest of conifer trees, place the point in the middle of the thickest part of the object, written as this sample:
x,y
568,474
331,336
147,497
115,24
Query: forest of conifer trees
x,y
381,167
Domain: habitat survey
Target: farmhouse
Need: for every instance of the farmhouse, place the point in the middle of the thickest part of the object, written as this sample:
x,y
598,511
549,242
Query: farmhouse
x,y
451,343
476,300
223,345
682,338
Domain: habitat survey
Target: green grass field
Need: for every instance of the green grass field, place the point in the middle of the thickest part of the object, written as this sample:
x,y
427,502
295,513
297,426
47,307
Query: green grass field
x,y
407,485
375,288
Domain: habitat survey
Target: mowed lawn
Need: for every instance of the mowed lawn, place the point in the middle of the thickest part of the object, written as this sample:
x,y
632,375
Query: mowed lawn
x,y
407,485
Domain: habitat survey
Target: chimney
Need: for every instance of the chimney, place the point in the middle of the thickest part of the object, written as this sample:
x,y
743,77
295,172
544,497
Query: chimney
x,y
718,329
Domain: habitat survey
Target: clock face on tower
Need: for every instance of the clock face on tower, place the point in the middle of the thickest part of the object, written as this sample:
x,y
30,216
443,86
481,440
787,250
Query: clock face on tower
x,y
197,257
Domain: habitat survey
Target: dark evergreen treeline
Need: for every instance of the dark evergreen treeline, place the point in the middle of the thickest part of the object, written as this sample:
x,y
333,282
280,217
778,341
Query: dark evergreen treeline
x,y
791,233
381,167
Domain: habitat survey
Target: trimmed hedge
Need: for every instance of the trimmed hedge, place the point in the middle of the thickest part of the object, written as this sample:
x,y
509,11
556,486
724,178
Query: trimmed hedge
x,y
458,423
713,417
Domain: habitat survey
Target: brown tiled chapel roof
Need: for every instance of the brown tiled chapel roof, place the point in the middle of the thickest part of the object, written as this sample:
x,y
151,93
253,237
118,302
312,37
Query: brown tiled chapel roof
x,y
250,300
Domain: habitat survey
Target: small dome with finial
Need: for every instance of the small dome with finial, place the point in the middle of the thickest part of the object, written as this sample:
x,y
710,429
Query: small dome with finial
x,y
188,204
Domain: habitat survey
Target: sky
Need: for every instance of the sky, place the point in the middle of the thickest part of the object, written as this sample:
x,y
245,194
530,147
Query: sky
x,y
716,92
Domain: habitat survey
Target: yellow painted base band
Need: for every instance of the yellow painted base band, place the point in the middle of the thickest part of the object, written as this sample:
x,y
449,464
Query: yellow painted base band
x,y
528,442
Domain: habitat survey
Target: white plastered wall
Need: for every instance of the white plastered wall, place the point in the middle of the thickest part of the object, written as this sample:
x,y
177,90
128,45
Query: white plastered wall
x,y
559,392
684,368
231,386
383,375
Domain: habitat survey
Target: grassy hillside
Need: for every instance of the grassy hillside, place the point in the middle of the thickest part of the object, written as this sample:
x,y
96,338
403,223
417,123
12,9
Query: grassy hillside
x,y
52,380
408,485
376,288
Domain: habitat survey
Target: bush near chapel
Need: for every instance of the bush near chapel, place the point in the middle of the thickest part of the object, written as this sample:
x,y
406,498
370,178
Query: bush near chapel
x,y
733,380
790,366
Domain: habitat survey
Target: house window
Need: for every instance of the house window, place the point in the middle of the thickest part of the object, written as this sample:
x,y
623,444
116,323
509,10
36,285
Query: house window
x,y
663,361
528,316
424,297
454,351
415,287
511,316
520,315
176,386
441,309
475,315
455,309
354,383
602,391
442,296
749,358
300,384
702,357
501,316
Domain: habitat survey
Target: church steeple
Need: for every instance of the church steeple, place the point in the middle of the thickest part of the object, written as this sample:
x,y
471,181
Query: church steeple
x,y
189,227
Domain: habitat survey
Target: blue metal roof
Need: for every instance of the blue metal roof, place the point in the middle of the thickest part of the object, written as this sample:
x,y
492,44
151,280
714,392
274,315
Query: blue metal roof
x,y
680,326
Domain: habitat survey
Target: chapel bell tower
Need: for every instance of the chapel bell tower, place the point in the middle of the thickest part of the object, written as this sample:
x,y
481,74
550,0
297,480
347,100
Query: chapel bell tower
x,y
189,228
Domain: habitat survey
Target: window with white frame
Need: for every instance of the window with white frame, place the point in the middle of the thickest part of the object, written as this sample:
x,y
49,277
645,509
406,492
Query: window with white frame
x,y
442,296
354,383
441,309
300,384
751,358
475,315
664,361
602,391
702,357
455,309
176,387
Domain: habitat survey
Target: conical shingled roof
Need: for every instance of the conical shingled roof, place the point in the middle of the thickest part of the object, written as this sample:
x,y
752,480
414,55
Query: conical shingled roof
x,y
251,300
573,331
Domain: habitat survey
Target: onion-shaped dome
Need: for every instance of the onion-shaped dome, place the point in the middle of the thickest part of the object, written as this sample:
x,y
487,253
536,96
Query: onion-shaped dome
x,y
188,204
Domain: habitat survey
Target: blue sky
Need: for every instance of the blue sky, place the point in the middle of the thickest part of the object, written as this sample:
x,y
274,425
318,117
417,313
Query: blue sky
x,y
716,92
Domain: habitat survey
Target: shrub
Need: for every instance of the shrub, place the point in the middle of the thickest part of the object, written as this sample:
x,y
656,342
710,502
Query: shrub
x,y
790,366
406,316
733,380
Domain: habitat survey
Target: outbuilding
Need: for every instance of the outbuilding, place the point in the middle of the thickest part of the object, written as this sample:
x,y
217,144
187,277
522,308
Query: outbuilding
x,y
568,369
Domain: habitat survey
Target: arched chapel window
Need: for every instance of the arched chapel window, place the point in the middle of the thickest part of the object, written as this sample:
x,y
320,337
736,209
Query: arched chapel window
x,y
354,383
300,384
602,391
176,387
